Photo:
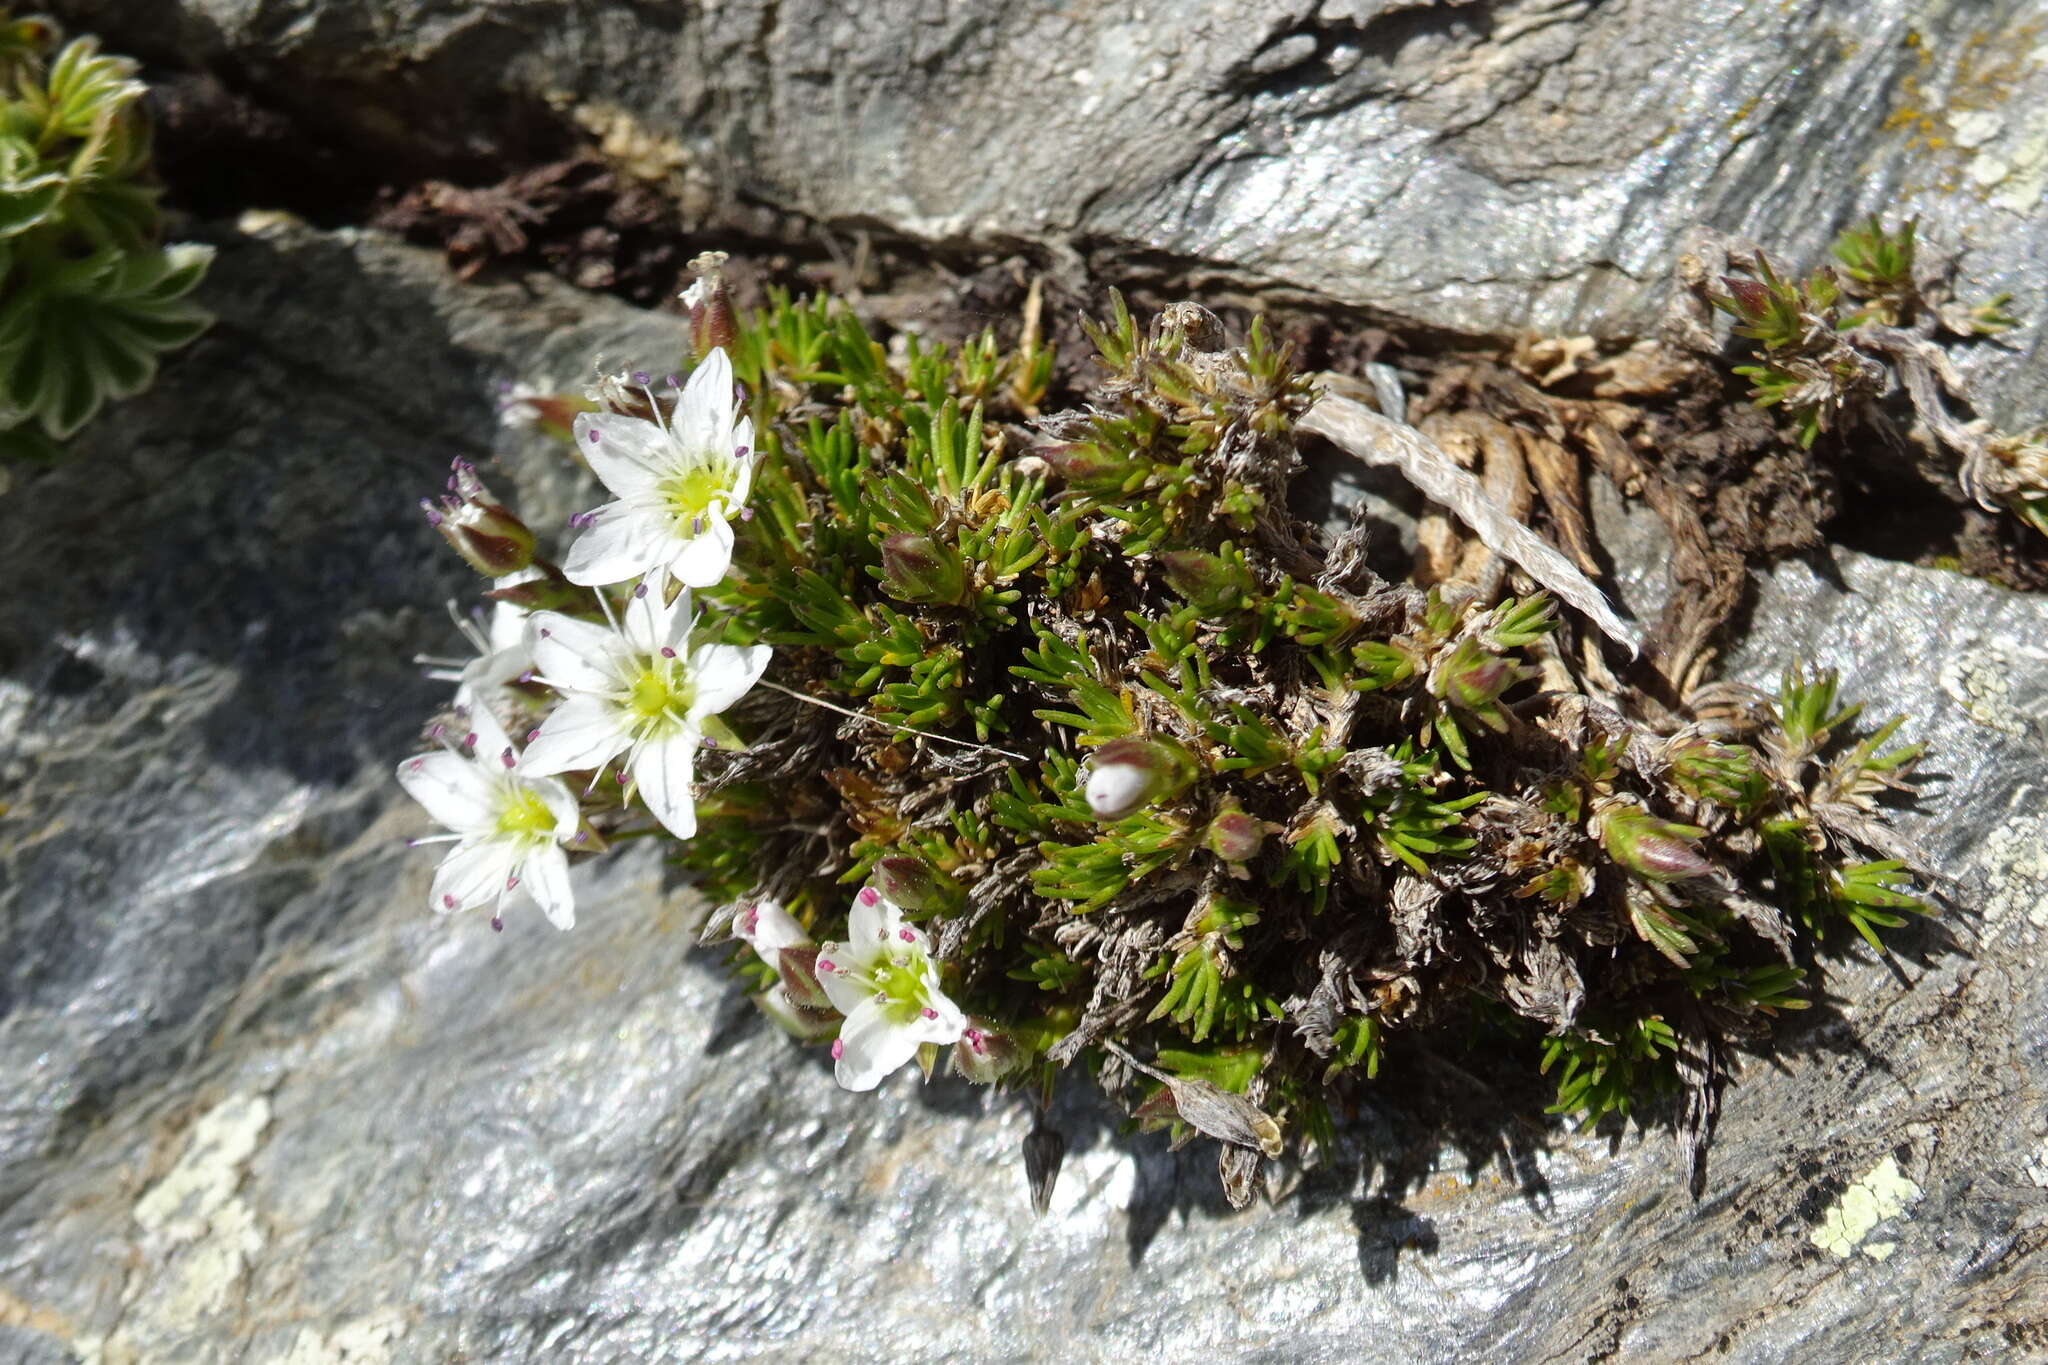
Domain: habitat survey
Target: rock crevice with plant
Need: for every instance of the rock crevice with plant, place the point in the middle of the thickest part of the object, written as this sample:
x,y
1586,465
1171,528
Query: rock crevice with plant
x,y
1017,735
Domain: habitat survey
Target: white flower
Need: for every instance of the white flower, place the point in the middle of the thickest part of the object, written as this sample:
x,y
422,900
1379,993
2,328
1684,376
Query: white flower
x,y
508,826
767,928
501,649
884,981
640,690
779,941
676,484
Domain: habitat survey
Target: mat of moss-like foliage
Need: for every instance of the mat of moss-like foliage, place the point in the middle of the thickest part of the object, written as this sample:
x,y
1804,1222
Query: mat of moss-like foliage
x,y
1187,795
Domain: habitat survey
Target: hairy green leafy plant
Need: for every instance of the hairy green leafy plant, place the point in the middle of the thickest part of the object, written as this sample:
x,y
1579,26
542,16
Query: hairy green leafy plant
x,y
1071,747
90,299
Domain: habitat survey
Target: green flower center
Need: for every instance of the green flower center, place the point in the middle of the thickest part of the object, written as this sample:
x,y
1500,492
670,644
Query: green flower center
x,y
523,813
688,496
901,979
661,694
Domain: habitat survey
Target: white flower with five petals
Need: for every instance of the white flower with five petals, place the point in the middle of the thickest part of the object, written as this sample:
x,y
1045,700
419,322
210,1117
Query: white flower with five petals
x,y
508,825
677,484
884,981
637,689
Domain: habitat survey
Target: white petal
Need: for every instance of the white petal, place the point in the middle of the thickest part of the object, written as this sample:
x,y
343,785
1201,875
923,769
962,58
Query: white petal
x,y
493,670
492,742
844,981
650,623
743,480
914,936
577,656
621,542
630,454
871,1045
873,921
705,413
662,770
508,619
768,929
1114,790
455,791
946,1023
474,874
723,674
703,558
545,876
583,732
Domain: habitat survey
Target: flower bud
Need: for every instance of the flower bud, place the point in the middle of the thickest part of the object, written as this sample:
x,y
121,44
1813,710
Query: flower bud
x,y
911,882
804,1025
1474,679
1234,836
1128,774
1211,583
488,536
1750,298
1724,774
985,1053
712,323
918,569
553,414
1649,847
798,968
543,589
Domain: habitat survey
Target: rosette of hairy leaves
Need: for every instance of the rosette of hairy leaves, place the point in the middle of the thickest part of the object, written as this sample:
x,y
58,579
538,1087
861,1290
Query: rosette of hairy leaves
x,y
74,334
89,301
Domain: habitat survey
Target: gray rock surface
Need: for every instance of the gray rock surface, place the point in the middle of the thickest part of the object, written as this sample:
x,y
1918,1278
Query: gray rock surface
x,y
1486,165
262,1107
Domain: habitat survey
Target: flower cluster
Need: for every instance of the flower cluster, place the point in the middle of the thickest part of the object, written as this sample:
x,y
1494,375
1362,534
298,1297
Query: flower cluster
x,y
606,664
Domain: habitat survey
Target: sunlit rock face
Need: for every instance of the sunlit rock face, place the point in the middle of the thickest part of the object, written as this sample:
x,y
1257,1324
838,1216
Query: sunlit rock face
x,y
1486,166
262,1106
